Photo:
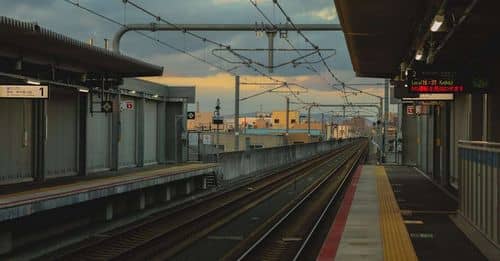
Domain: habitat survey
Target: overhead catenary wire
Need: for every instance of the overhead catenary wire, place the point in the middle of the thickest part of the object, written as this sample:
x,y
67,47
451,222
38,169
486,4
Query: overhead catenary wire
x,y
245,60
310,67
307,40
204,39
111,20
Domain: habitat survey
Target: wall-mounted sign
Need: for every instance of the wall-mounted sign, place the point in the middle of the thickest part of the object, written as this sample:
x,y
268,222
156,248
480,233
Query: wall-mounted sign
x,y
217,120
207,139
107,106
432,97
24,91
421,109
410,110
191,115
435,86
127,105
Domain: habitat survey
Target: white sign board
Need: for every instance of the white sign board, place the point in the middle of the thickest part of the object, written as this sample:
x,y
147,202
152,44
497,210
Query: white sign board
x,y
207,139
410,110
127,105
24,91
432,97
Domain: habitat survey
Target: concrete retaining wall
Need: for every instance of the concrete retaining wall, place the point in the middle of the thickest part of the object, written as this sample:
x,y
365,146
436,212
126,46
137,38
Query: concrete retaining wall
x,y
238,164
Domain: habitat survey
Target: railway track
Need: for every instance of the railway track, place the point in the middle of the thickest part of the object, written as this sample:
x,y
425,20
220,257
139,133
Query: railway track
x,y
177,230
290,235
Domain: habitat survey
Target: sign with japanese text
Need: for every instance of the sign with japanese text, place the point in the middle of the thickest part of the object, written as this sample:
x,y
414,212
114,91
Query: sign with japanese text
x,y
24,91
410,110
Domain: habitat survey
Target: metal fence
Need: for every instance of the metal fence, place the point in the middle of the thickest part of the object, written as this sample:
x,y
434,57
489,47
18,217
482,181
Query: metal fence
x,y
479,166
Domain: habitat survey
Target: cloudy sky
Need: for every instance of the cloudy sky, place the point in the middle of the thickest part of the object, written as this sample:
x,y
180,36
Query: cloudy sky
x,y
180,69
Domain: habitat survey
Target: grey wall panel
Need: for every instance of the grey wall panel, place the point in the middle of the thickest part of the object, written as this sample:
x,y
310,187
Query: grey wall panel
x,y
150,132
161,132
128,140
430,143
460,124
98,142
493,119
61,158
15,140
425,141
410,147
172,137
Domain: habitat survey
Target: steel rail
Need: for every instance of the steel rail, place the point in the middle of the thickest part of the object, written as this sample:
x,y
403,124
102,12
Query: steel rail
x,y
291,211
325,210
140,227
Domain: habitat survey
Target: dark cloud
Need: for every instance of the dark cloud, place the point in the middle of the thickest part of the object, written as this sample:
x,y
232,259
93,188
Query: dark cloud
x,y
64,18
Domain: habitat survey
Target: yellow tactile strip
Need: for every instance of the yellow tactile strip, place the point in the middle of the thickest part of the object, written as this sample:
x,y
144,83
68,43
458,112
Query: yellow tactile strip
x,y
395,238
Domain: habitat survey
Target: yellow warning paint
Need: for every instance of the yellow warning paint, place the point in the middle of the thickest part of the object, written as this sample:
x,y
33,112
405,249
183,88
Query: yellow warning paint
x,y
414,222
396,241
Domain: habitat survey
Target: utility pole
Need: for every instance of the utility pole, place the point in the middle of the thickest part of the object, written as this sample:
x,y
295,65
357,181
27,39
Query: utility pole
x,y
343,116
309,121
237,113
217,120
287,119
331,126
379,128
386,116
323,125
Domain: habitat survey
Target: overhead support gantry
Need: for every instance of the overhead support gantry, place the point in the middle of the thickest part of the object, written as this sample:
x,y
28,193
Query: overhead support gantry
x,y
270,30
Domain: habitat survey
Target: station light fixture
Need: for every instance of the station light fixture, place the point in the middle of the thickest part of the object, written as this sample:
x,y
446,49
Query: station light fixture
x,y
156,96
132,92
419,55
32,82
437,22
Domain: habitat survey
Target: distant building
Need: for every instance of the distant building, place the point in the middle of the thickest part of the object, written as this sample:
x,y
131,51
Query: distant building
x,y
279,119
202,121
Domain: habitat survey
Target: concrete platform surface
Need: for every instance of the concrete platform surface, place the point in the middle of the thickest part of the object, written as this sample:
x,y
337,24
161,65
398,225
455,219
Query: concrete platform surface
x,y
396,213
27,202
368,225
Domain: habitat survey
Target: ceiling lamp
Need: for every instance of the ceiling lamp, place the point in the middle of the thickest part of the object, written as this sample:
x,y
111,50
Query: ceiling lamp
x,y
419,55
437,22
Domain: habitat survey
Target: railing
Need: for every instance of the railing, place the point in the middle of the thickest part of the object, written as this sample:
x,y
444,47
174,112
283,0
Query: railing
x,y
479,186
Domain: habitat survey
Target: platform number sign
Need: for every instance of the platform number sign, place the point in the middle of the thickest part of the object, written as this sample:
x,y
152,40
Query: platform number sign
x,y
107,106
24,91
191,115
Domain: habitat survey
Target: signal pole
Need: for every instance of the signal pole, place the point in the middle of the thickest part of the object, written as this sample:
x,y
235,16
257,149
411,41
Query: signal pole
x,y
287,119
237,113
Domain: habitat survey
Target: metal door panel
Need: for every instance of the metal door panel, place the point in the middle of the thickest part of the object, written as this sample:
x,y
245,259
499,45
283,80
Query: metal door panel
x,y
150,132
98,141
128,139
61,158
15,140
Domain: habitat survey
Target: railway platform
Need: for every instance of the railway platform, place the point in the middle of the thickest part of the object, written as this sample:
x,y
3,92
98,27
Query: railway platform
x,y
21,200
396,213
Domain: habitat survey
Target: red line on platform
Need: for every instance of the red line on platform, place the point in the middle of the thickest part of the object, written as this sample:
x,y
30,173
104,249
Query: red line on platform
x,y
330,245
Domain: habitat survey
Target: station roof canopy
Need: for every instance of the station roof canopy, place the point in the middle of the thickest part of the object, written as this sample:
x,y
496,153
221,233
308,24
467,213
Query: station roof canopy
x,y
382,34
34,44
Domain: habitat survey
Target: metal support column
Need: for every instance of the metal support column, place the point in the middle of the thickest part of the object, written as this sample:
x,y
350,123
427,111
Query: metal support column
x,y
141,104
323,125
386,115
39,138
237,113
270,54
485,117
82,133
116,128
309,121
287,119
379,129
